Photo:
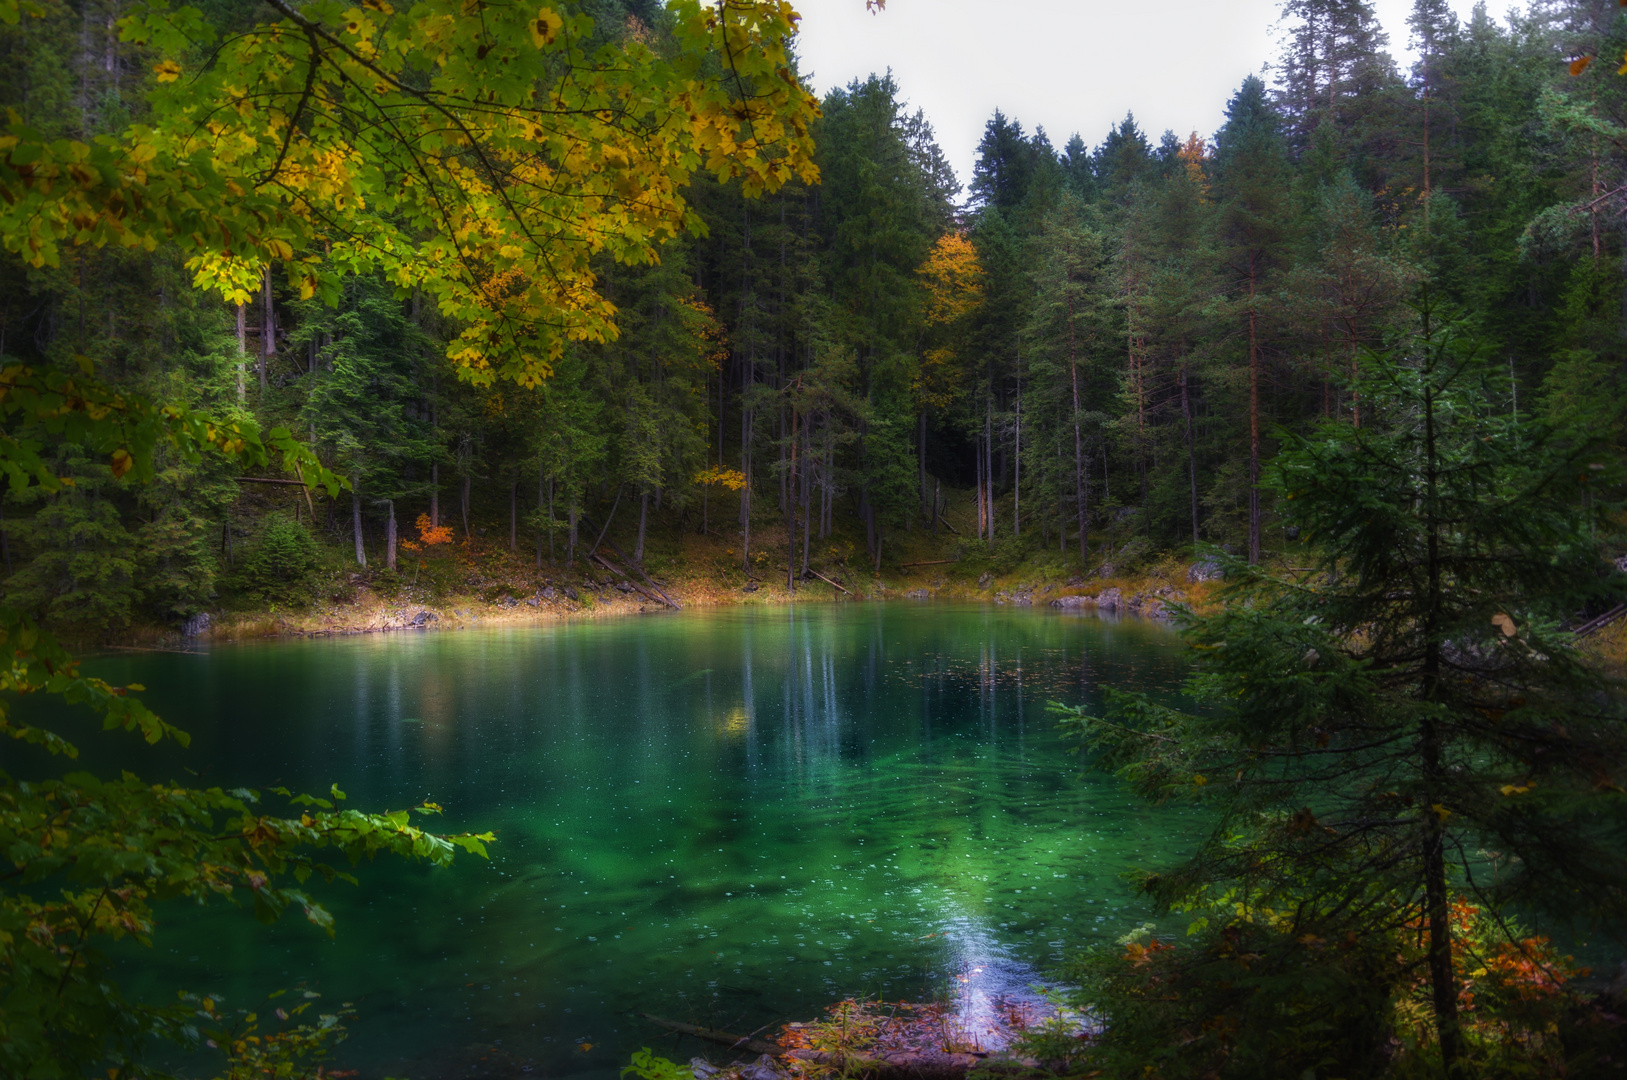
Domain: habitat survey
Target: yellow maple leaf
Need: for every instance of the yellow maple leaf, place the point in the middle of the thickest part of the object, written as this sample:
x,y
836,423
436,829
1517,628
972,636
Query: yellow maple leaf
x,y
166,71
545,27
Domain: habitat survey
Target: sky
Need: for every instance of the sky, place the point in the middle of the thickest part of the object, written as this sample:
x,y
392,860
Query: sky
x,y
1065,65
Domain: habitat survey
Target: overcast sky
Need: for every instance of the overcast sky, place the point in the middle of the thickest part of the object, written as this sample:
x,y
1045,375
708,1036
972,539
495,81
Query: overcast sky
x,y
1066,65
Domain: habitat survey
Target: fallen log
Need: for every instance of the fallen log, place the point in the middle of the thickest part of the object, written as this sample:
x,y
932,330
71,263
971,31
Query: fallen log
x,y
734,1042
611,544
1601,621
614,569
827,580
929,562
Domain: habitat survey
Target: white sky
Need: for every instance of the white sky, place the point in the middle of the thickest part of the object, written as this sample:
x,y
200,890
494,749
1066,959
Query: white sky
x,y
1066,65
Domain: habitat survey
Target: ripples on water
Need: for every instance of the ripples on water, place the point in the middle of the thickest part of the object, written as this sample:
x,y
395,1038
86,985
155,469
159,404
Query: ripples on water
x,y
730,818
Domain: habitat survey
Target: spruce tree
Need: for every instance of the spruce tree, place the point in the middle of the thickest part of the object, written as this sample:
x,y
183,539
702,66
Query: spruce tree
x,y
1369,736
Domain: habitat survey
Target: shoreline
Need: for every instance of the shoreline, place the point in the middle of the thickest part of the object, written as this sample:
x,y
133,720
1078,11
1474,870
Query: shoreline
x,y
372,612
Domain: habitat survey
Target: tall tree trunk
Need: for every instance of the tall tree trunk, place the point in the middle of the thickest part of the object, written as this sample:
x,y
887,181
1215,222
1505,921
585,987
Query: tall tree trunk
x,y
643,516
1079,491
570,540
988,462
541,503
463,499
268,328
1253,416
1017,480
514,516
242,351
356,524
389,535
435,495
1443,982
921,460
1191,449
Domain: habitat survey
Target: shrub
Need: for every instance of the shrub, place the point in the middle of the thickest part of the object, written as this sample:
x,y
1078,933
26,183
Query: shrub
x,y
282,564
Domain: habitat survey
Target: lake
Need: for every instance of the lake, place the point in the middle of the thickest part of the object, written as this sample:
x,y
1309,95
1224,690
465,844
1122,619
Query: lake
x,y
728,817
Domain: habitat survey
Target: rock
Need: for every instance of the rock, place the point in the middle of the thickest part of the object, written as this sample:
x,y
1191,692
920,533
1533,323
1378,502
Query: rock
x,y
1205,570
1075,582
622,586
703,1069
196,626
984,581
764,1068
1110,600
1074,602
918,594
507,601
1107,570
534,601
751,586
549,593
571,594
1621,564
1292,532
1023,599
423,618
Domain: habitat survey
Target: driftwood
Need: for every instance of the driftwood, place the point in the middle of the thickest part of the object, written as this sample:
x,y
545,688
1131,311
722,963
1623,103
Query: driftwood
x,y
827,580
917,1064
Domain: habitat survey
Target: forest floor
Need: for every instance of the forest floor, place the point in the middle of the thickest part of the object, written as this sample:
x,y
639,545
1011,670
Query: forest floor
x,y
477,583
478,580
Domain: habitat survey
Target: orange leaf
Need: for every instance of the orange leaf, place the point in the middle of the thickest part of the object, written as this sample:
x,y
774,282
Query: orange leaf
x,y
1579,66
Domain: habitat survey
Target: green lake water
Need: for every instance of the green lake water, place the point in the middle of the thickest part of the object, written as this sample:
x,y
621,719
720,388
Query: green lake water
x,y
725,817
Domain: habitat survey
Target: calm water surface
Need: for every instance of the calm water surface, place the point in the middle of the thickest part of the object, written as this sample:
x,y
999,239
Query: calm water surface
x,y
727,817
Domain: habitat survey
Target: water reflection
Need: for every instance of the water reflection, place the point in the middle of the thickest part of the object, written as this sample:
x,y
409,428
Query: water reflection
x,y
729,818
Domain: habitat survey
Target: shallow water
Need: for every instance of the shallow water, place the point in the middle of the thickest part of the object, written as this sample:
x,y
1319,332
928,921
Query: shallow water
x,y
725,817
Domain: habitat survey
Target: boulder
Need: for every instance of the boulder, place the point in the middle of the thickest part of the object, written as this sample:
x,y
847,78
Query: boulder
x,y
571,594
1110,600
549,593
987,578
196,626
1074,602
423,618
751,586
918,594
1205,570
1107,570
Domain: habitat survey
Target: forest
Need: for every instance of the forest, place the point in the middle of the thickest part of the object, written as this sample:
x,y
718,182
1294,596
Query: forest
x,y
293,294
1095,346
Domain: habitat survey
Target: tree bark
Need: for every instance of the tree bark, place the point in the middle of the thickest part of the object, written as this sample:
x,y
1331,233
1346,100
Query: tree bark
x,y
356,524
389,535
1191,450
1079,491
514,516
242,351
643,516
464,503
1253,417
268,329
1443,982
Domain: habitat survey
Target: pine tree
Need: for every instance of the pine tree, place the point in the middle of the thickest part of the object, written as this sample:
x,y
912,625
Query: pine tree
x,y
1251,171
